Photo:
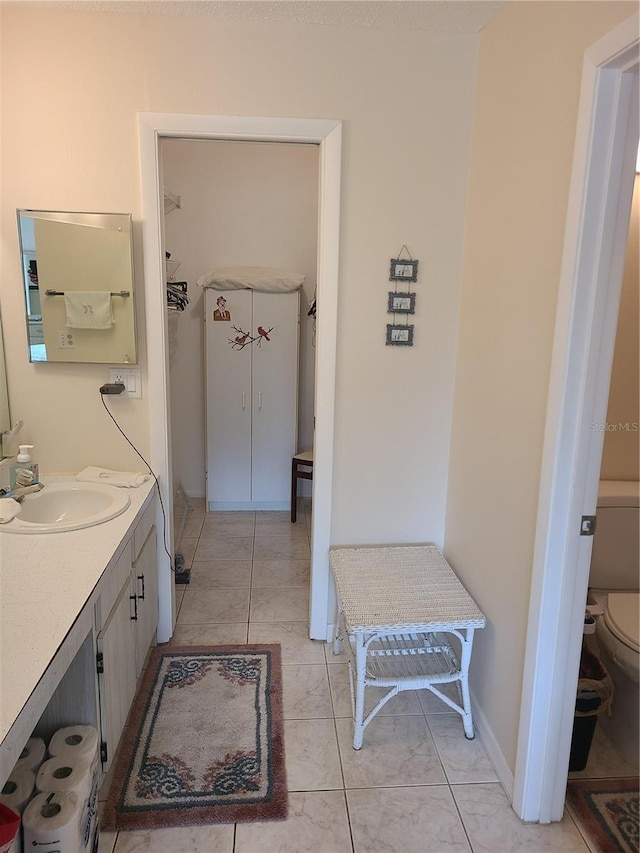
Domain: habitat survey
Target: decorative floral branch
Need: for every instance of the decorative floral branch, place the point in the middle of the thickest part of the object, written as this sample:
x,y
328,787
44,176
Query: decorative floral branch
x,y
244,339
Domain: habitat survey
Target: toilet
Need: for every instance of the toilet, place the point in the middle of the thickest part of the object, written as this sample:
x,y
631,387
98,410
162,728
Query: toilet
x,y
614,586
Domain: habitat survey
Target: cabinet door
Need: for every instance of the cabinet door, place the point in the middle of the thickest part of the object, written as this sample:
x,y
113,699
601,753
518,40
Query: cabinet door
x,y
228,397
145,580
275,396
117,682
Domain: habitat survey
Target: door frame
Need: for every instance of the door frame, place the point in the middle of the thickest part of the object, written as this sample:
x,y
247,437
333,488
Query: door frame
x,y
327,134
589,297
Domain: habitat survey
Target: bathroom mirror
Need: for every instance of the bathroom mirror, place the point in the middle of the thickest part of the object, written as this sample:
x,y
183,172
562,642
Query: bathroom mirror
x,y
78,285
5,420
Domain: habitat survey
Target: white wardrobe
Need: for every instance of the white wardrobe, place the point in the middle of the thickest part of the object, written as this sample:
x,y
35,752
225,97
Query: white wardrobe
x,y
251,377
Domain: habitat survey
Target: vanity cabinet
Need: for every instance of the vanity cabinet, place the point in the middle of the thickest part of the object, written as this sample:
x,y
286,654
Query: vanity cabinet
x,y
116,662
145,585
126,622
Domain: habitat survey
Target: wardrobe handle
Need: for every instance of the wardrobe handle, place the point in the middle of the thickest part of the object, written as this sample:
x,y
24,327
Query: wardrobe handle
x,y
259,399
244,400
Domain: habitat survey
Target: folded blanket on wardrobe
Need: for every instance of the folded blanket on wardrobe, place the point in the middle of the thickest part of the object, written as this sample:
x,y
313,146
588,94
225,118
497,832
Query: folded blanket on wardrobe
x,y
121,479
88,309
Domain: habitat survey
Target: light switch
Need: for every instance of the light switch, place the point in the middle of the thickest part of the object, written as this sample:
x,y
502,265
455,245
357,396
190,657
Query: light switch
x,y
130,378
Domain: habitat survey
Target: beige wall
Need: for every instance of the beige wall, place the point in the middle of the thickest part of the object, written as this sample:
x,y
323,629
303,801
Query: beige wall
x,y
529,74
72,83
251,204
621,452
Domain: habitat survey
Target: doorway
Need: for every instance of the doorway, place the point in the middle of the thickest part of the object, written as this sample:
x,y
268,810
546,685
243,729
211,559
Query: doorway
x,y
250,206
595,241
327,135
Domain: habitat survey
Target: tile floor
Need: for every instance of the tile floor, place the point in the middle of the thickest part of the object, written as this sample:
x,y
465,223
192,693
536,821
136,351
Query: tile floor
x,y
417,785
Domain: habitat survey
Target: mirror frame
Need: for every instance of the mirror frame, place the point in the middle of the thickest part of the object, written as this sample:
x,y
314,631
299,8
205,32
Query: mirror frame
x,y
118,355
5,413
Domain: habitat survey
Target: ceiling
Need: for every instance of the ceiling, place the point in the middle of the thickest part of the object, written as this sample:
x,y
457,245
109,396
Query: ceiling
x,y
445,16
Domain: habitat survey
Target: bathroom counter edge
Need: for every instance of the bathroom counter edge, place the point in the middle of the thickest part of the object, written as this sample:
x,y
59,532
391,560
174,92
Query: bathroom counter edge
x,y
49,584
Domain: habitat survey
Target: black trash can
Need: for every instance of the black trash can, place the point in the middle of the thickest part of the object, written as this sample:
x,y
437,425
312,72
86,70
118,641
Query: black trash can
x,y
595,692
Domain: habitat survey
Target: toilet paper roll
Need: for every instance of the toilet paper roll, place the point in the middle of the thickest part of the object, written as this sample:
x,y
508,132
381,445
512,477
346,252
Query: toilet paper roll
x,y
75,740
32,755
51,822
65,773
18,789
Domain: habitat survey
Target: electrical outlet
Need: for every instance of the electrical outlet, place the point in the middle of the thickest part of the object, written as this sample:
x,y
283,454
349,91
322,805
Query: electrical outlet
x,y
130,378
65,339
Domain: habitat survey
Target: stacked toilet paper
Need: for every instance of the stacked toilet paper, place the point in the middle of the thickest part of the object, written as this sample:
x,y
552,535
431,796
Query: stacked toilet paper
x,y
80,741
19,787
32,755
16,793
51,823
63,815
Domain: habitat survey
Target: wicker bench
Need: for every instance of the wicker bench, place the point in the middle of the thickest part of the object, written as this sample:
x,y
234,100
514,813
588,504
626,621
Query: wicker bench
x,y
409,623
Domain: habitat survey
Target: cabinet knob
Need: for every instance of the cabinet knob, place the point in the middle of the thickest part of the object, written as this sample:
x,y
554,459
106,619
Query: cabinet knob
x,y
141,578
134,598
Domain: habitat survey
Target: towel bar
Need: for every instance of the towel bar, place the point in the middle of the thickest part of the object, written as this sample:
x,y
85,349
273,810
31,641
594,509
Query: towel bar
x,y
50,292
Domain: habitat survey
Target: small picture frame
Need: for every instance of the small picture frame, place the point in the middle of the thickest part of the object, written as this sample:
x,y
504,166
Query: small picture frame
x,y
401,303
401,270
399,336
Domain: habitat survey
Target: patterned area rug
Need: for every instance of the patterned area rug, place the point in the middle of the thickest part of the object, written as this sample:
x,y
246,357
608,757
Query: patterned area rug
x,y
204,741
607,812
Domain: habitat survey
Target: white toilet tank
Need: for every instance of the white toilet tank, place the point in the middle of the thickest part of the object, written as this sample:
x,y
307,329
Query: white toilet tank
x,y
615,559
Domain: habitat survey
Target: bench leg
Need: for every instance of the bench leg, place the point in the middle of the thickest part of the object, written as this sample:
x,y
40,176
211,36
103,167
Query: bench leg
x,y
337,640
467,720
361,661
294,492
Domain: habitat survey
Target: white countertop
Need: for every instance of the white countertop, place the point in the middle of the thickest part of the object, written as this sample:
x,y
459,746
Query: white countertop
x,y
45,582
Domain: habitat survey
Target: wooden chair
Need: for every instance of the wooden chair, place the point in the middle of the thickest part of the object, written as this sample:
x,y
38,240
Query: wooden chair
x,y
304,461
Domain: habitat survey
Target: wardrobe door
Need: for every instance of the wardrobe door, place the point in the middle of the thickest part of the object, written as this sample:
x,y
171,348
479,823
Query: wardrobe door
x,y
228,403
275,397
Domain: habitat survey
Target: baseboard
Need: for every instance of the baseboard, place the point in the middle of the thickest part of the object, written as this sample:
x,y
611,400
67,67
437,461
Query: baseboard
x,y
485,733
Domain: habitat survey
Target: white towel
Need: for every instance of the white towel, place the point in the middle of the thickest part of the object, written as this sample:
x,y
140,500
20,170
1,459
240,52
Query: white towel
x,y
88,309
122,479
9,509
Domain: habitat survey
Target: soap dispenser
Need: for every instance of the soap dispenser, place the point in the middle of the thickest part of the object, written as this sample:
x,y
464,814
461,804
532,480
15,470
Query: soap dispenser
x,y
24,471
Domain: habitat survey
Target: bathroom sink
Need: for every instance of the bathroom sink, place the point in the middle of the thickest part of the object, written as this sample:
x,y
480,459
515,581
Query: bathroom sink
x,y
68,506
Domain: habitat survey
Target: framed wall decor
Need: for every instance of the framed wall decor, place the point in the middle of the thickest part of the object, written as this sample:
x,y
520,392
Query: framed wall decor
x,y
399,336
401,303
402,270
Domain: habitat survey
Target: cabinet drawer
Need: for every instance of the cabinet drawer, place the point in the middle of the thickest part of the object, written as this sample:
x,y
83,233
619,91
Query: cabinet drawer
x,y
143,528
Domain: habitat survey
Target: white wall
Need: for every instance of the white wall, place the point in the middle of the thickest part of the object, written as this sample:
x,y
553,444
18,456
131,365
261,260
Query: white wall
x,y
245,204
72,83
621,451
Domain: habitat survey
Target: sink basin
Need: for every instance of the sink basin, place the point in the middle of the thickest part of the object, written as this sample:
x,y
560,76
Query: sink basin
x,y
68,506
